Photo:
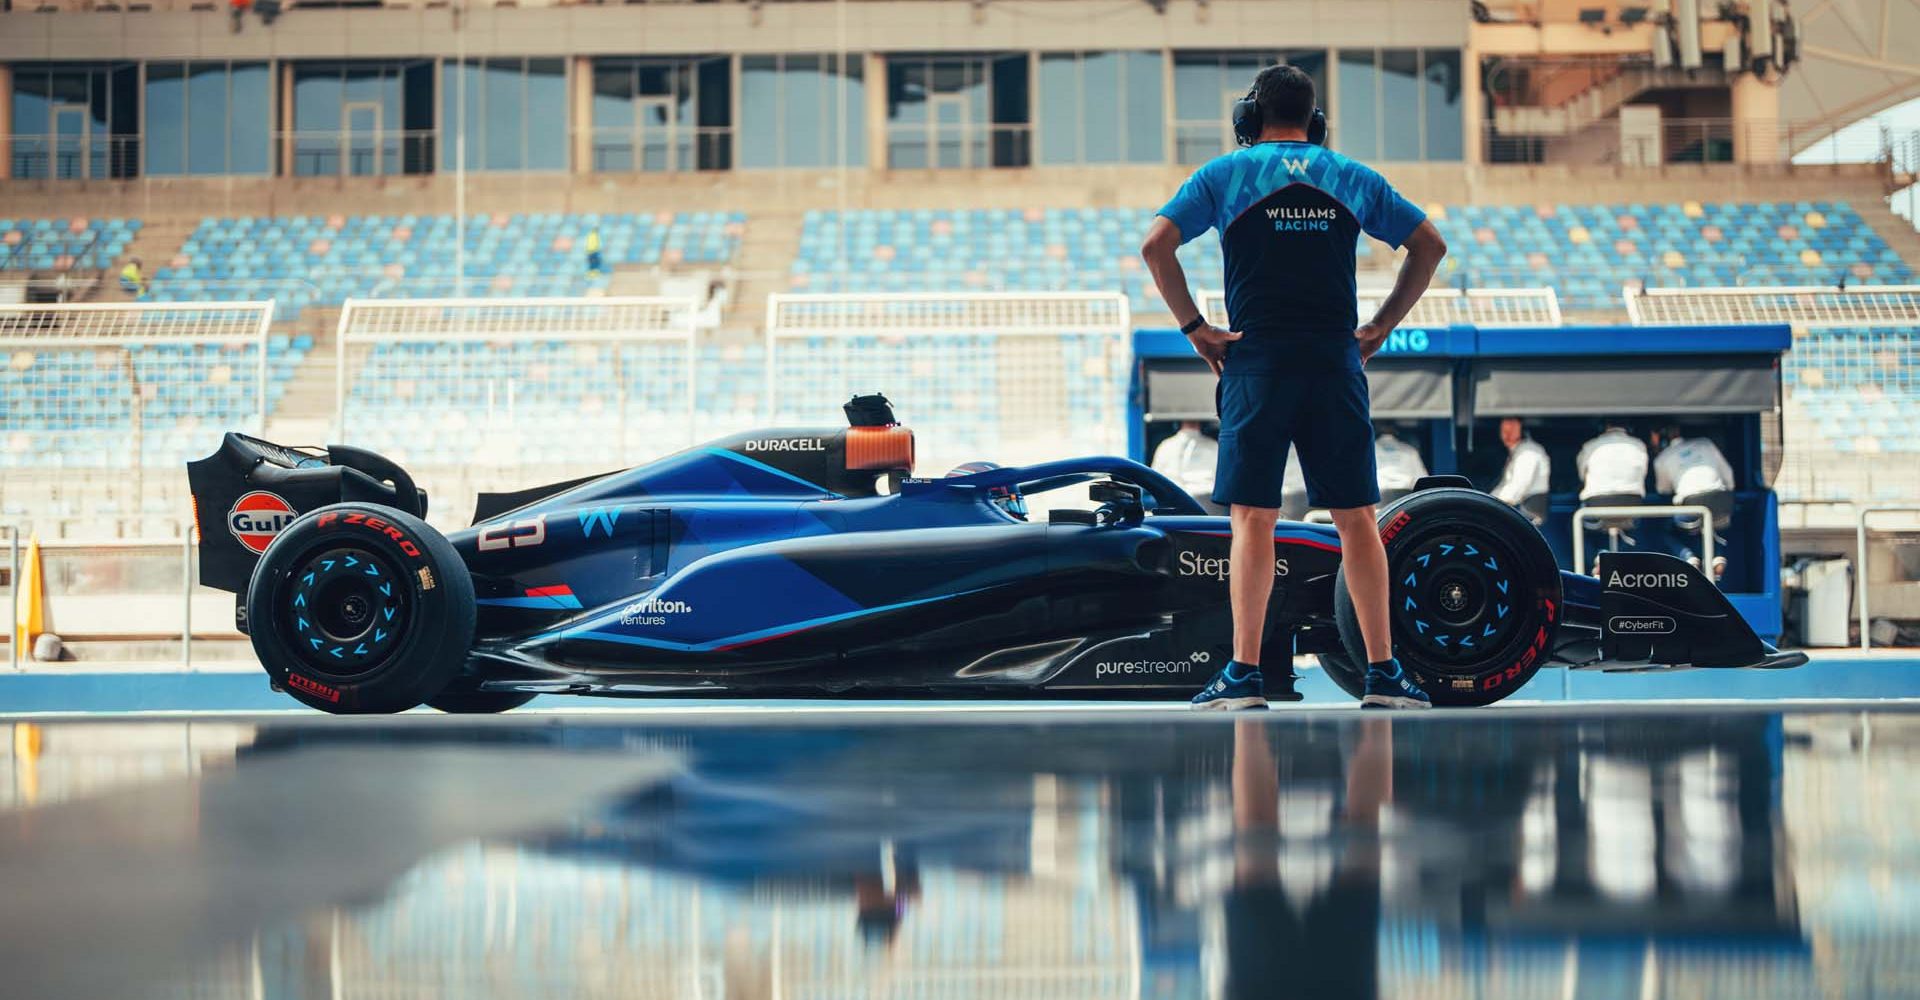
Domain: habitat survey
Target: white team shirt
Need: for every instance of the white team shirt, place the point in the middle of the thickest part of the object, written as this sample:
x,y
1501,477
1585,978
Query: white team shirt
x,y
1526,475
1691,466
1398,465
1613,462
1188,458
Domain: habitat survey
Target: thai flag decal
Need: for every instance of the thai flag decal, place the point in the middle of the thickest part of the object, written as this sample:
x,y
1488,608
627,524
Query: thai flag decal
x,y
556,597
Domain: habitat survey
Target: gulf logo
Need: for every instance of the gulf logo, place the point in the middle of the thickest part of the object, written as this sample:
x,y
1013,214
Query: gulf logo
x,y
258,517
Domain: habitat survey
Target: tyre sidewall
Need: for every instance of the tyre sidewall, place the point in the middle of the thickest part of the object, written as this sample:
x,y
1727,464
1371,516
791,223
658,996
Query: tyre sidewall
x,y
460,699
1416,517
439,597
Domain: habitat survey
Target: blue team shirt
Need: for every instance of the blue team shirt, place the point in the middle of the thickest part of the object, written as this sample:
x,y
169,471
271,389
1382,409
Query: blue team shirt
x,y
1290,215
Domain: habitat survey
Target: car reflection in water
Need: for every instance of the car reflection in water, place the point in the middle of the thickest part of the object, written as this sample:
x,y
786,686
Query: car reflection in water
x,y
1659,853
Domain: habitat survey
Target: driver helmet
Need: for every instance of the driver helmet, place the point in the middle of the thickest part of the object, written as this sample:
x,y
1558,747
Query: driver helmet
x,y
1006,498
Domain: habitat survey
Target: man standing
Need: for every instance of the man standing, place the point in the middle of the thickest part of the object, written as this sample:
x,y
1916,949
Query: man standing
x,y
1290,213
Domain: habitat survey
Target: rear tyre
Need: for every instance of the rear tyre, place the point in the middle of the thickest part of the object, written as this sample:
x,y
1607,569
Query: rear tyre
x,y
1473,598
459,700
358,608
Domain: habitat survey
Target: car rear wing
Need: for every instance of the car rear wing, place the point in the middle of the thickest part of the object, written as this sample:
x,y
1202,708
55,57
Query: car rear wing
x,y
249,490
1659,611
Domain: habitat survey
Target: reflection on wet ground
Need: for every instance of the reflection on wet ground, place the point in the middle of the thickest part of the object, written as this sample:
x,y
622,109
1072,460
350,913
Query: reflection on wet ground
x,y
1607,853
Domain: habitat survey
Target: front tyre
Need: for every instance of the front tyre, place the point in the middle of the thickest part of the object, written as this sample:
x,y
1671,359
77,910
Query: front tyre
x,y
1473,597
358,608
462,700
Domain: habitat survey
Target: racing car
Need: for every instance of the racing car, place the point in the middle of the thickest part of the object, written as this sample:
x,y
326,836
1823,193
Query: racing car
x,y
811,562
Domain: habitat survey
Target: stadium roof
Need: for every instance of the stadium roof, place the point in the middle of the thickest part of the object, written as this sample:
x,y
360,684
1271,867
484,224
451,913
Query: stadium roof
x,y
1857,57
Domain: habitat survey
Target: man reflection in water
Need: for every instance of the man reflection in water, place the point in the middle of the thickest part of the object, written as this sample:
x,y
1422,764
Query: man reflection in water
x,y
1326,949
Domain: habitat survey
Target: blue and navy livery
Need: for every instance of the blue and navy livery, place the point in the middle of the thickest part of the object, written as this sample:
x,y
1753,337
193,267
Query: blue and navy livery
x,y
1290,215
794,562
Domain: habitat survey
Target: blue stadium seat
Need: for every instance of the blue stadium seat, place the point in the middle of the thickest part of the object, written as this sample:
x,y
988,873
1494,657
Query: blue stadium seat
x,y
303,261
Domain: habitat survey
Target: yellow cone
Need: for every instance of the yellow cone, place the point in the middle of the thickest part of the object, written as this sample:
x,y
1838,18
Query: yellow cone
x,y
29,603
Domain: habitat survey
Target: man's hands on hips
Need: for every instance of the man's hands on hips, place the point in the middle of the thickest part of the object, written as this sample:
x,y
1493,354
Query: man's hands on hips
x,y
1370,336
1210,342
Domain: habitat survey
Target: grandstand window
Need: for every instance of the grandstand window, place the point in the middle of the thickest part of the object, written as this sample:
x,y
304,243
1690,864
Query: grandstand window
x,y
655,115
75,122
1440,102
1399,104
208,118
1205,85
1101,107
362,119
793,106
511,114
957,111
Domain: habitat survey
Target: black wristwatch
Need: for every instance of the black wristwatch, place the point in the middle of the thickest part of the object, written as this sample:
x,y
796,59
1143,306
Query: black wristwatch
x,y
1196,323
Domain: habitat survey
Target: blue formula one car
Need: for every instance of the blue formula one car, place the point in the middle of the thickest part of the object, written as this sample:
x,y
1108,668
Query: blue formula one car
x,y
810,563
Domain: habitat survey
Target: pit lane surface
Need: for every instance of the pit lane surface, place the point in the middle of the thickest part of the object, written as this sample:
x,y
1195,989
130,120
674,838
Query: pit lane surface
x,y
1130,851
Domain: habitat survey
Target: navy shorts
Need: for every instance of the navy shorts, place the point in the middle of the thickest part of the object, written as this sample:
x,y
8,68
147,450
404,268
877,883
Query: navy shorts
x,y
1323,413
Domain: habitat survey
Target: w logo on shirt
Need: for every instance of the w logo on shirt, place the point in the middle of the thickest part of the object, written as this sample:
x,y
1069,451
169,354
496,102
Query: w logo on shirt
x,y
1294,166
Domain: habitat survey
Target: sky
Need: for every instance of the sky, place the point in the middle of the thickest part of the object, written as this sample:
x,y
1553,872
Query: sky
x,y
1903,120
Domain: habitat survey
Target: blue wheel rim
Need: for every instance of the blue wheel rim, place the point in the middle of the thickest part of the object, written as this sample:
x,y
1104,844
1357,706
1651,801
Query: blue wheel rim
x,y
1457,598
345,609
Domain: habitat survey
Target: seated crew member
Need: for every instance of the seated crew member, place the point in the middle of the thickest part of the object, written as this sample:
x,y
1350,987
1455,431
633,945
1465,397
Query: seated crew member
x,y
1188,457
1691,468
1612,464
1528,466
1398,464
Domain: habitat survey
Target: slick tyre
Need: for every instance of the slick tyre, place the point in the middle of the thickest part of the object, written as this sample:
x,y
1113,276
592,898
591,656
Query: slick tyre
x,y
1473,598
358,608
464,700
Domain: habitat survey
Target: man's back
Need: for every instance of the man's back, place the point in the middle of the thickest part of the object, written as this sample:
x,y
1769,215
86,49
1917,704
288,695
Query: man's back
x,y
1691,466
1614,462
1290,215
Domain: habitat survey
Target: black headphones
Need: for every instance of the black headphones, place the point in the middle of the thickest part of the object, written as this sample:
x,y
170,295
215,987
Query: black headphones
x,y
1247,122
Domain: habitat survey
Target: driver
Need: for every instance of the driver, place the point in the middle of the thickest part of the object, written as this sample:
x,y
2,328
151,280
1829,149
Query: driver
x,y
1007,498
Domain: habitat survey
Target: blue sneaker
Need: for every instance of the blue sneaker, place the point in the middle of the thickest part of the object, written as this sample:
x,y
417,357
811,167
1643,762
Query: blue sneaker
x,y
1393,689
1229,693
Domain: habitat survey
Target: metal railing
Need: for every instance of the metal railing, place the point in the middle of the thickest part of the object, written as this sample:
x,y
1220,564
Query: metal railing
x,y
13,595
1701,140
1649,511
66,575
1860,566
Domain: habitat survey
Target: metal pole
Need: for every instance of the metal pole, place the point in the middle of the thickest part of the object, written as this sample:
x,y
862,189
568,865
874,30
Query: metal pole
x,y
186,604
460,150
1641,513
1860,560
13,596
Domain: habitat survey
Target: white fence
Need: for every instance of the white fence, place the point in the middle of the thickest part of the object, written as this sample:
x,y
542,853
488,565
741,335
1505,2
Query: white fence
x,y
1004,377
1805,306
517,382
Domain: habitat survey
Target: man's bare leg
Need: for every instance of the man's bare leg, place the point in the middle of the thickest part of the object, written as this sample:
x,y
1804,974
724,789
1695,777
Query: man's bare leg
x,y
1250,578
1365,560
